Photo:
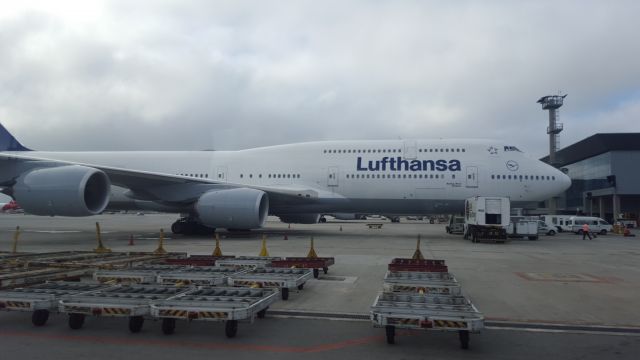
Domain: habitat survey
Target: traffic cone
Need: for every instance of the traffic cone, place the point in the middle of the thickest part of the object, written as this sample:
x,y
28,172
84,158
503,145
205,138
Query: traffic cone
x,y
263,251
100,249
217,251
160,250
312,252
417,255
131,240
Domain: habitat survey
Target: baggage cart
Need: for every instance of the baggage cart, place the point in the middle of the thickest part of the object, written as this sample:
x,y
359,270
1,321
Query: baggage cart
x,y
426,312
215,304
315,263
42,298
198,275
442,283
284,279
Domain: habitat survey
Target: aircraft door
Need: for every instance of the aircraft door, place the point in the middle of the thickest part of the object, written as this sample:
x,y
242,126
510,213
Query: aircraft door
x,y
221,174
410,150
472,176
332,176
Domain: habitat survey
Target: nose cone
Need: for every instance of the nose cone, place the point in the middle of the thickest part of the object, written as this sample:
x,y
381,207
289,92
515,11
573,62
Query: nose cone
x,y
565,181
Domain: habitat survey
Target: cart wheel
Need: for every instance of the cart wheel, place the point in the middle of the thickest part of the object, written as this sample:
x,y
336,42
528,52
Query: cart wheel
x,y
76,321
391,334
135,323
231,328
316,273
40,317
168,326
285,294
325,270
262,313
464,339
301,286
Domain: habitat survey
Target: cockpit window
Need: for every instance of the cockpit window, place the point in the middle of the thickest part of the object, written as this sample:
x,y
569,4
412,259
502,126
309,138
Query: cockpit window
x,y
511,148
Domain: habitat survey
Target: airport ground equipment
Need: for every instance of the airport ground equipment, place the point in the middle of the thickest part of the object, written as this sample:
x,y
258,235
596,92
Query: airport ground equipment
x,y
20,276
486,218
132,301
198,260
315,263
442,283
414,297
378,225
228,304
198,275
42,298
281,278
522,227
423,265
456,225
426,312
247,261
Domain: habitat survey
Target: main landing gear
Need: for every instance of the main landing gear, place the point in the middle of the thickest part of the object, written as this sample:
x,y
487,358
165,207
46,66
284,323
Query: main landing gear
x,y
188,226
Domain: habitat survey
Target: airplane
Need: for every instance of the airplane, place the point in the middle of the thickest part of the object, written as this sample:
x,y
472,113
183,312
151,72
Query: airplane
x,y
10,206
237,190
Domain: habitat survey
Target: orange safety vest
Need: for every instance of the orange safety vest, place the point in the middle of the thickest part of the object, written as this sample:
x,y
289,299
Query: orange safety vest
x,y
585,227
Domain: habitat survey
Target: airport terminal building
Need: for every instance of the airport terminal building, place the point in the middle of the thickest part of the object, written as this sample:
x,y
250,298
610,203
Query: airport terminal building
x,y
605,174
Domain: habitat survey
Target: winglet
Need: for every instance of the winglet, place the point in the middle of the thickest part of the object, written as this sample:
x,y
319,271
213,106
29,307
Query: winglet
x,y
8,142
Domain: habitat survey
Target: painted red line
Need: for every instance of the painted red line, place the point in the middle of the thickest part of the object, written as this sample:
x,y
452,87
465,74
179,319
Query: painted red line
x,y
196,345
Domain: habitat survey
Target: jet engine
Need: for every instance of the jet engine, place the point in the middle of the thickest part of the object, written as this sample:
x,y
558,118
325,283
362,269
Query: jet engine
x,y
70,190
241,208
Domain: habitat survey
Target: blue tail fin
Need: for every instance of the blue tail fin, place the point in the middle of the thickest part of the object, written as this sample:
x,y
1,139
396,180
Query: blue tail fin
x,y
8,142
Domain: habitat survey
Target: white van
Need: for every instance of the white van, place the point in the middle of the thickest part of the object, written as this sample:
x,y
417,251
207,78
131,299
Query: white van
x,y
596,224
559,223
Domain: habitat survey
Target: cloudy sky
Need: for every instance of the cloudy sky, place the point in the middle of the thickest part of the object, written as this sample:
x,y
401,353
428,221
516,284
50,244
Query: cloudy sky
x,y
189,75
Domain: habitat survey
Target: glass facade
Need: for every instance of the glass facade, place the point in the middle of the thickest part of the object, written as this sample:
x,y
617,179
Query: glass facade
x,y
586,175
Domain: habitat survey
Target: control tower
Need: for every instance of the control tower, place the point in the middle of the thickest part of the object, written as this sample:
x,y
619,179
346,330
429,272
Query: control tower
x,y
552,103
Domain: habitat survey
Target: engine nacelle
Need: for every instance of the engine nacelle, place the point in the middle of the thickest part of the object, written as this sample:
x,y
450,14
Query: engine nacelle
x,y
241,208
300,218
70,190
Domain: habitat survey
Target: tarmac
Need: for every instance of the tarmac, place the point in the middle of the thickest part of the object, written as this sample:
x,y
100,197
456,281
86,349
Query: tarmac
x,y
557,297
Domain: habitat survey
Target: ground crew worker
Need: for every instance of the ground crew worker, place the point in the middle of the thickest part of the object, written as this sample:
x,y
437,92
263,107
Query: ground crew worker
x,y
586,231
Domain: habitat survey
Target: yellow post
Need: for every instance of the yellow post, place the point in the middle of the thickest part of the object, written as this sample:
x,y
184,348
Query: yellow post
x,y
263,251
100,248
16,236
417,255
160,250
312,252
217,251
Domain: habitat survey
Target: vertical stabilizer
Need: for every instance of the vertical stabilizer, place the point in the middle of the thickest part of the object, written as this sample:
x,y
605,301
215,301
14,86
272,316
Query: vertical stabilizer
x,y
8,142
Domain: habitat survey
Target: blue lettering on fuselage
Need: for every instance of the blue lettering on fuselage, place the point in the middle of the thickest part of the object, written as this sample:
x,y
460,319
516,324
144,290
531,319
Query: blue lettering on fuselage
x,y
400,164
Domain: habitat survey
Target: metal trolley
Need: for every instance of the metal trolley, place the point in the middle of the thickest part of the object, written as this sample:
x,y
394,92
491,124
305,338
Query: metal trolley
x,y
132,301
247,261
215,304
282,278
443,283
199,275
42,298
426,312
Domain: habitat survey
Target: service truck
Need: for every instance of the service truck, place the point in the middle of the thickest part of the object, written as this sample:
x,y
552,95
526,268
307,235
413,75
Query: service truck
x,y
486,218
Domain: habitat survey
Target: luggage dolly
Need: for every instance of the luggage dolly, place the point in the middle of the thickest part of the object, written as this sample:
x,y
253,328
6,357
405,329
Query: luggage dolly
x,y
315,263
199,276
282,278
228,304
42,298
141,274
426,312
132,301
442,283
247,262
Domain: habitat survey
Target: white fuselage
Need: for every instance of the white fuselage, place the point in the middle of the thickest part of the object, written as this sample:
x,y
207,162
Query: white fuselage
x,y
392,176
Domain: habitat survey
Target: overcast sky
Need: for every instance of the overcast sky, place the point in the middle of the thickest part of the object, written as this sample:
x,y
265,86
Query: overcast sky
x,y
190,75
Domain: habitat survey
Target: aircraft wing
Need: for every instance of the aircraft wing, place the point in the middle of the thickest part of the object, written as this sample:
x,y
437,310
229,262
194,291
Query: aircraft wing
x,y
168,188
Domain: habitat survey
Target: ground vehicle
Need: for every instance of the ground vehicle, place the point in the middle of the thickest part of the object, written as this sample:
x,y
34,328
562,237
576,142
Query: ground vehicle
x,y
557,222
520,227
486,218
596,225
544,229
628,223
456,225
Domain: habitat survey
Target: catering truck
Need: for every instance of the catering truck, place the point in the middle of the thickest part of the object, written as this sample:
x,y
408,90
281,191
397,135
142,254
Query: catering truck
x,y
486,218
